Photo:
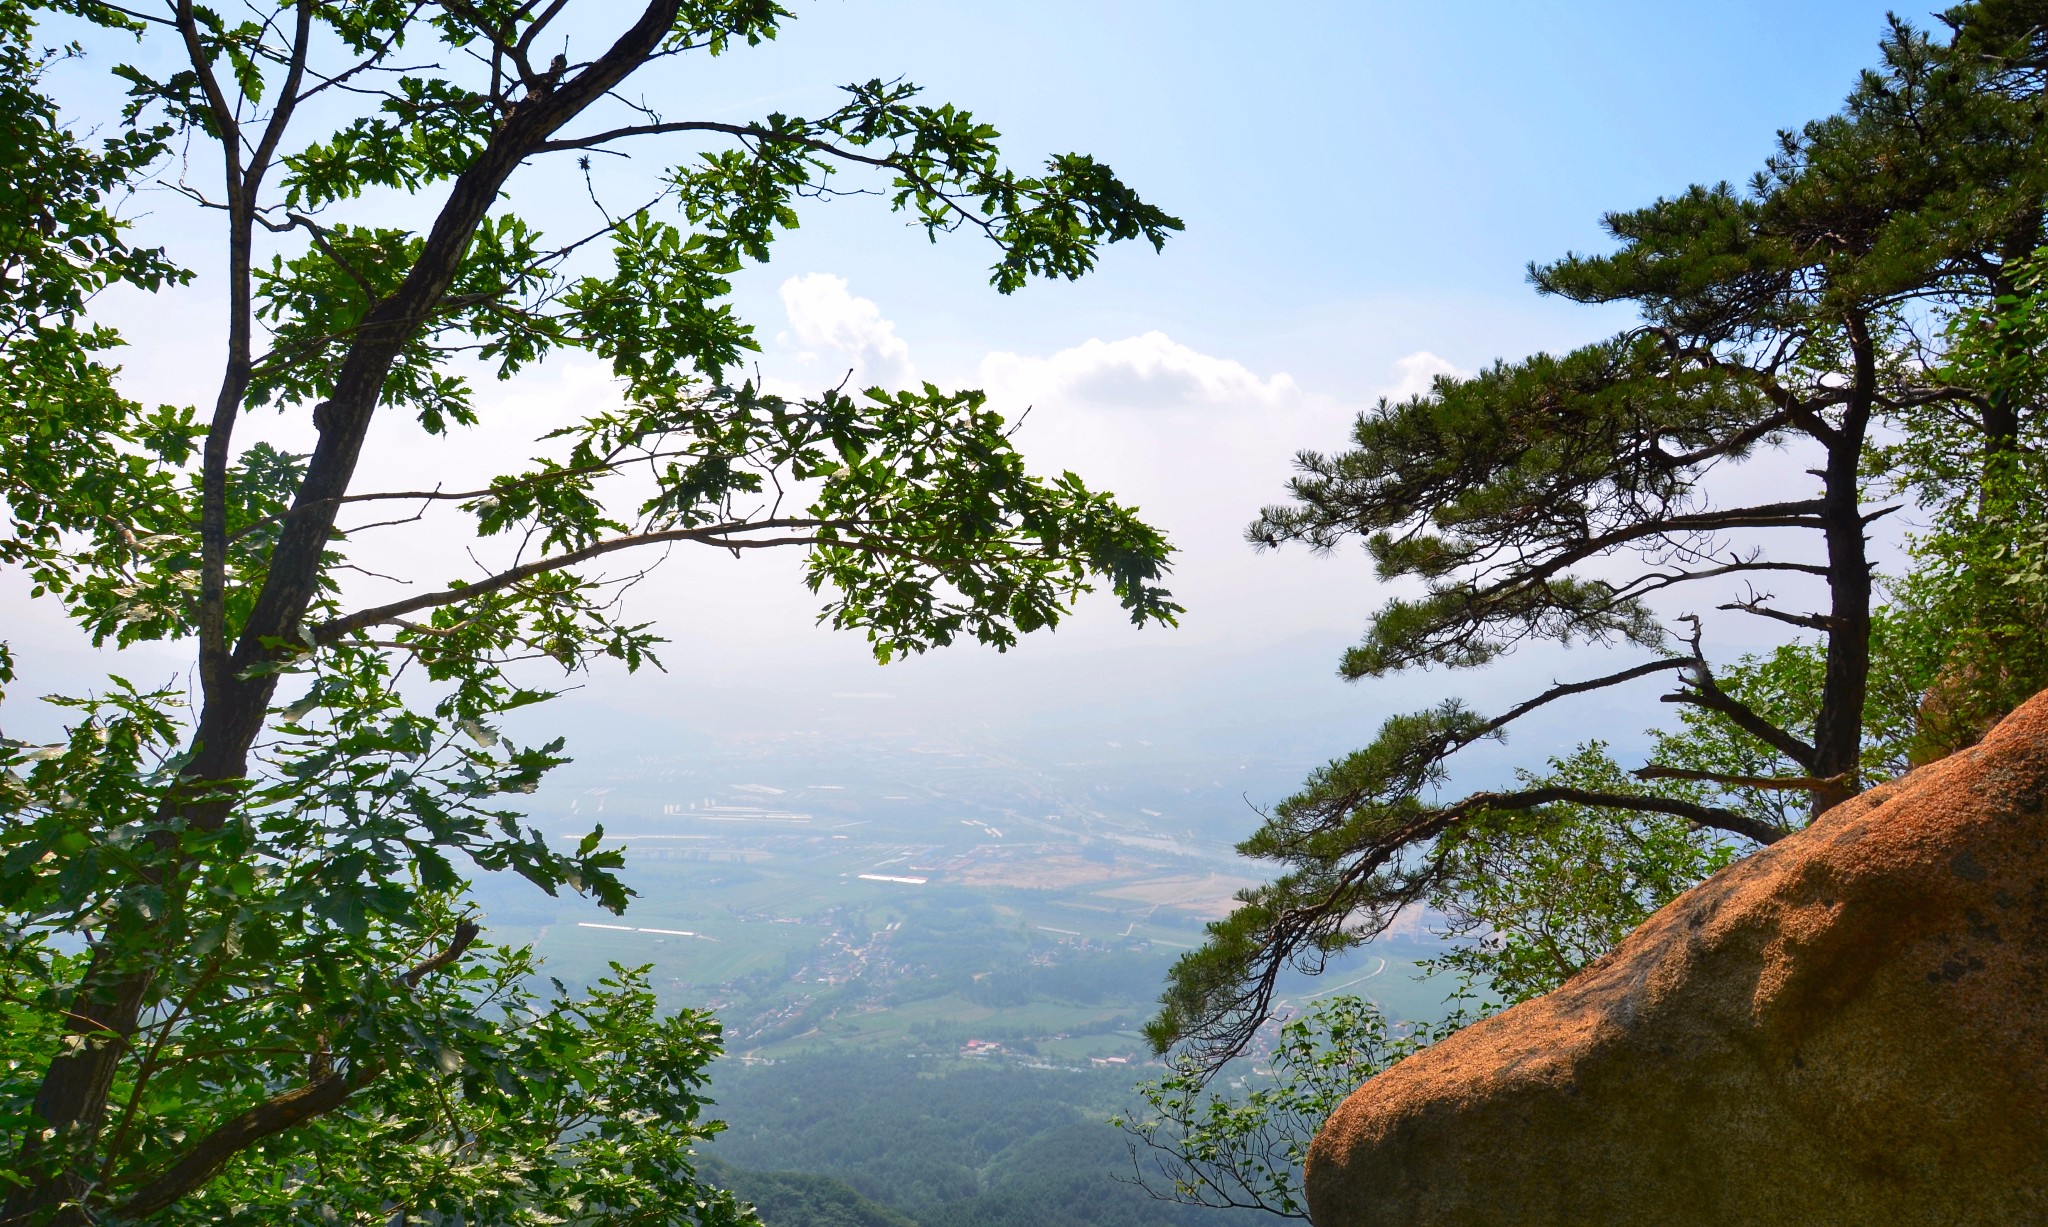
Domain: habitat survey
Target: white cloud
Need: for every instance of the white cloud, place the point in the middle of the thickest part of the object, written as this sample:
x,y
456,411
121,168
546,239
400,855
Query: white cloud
x,y
1141,372
1196,443
845,333
1414,374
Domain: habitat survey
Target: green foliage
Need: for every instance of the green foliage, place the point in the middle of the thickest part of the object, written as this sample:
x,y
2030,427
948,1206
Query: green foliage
x,y
241,980
568,1107
338,866
1206,1146
579,1107
1537,895
932,528
948,173
61,239
84,472
426,132
1976,596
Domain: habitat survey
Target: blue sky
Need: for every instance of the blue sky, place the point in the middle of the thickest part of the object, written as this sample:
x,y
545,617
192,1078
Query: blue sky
x,y
1358,179
1363,186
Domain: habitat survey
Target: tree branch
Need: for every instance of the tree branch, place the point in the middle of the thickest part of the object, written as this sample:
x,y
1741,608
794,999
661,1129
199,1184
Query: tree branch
x,y
1768,782
1565,690
756,132
753,131
278,1113
466,933
1714,816
1803,412
1730,445
287,99
1303,929
211,619
603,468
1708,694
717,534
272,1116
1812,622
372,61
1658,581
1571,552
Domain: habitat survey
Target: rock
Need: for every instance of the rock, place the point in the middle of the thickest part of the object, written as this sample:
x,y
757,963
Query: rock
x,y
1849,1027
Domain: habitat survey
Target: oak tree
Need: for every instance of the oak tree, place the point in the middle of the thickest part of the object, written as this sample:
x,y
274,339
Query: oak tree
x,y
239,981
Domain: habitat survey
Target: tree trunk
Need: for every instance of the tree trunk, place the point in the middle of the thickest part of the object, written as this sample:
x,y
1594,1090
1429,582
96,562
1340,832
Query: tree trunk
x,y
1838,729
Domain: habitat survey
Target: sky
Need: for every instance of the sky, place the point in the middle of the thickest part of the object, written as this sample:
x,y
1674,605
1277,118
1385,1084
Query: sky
x,y
1364,185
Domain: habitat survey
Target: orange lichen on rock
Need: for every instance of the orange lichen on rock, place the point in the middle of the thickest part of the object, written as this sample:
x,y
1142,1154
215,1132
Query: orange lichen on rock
x,y
1849,1027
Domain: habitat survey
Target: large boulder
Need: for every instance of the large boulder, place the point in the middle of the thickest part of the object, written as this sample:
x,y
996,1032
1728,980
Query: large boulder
x,y
1847,1028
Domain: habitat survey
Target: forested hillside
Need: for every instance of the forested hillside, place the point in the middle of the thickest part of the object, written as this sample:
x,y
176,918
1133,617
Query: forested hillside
x,y
992,1146
801,1199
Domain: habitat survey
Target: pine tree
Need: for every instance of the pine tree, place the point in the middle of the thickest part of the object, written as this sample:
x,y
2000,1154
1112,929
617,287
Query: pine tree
x,y
1574,499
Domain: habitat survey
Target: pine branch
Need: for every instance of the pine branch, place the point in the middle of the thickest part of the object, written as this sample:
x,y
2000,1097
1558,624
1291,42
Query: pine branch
x,y
1784,783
